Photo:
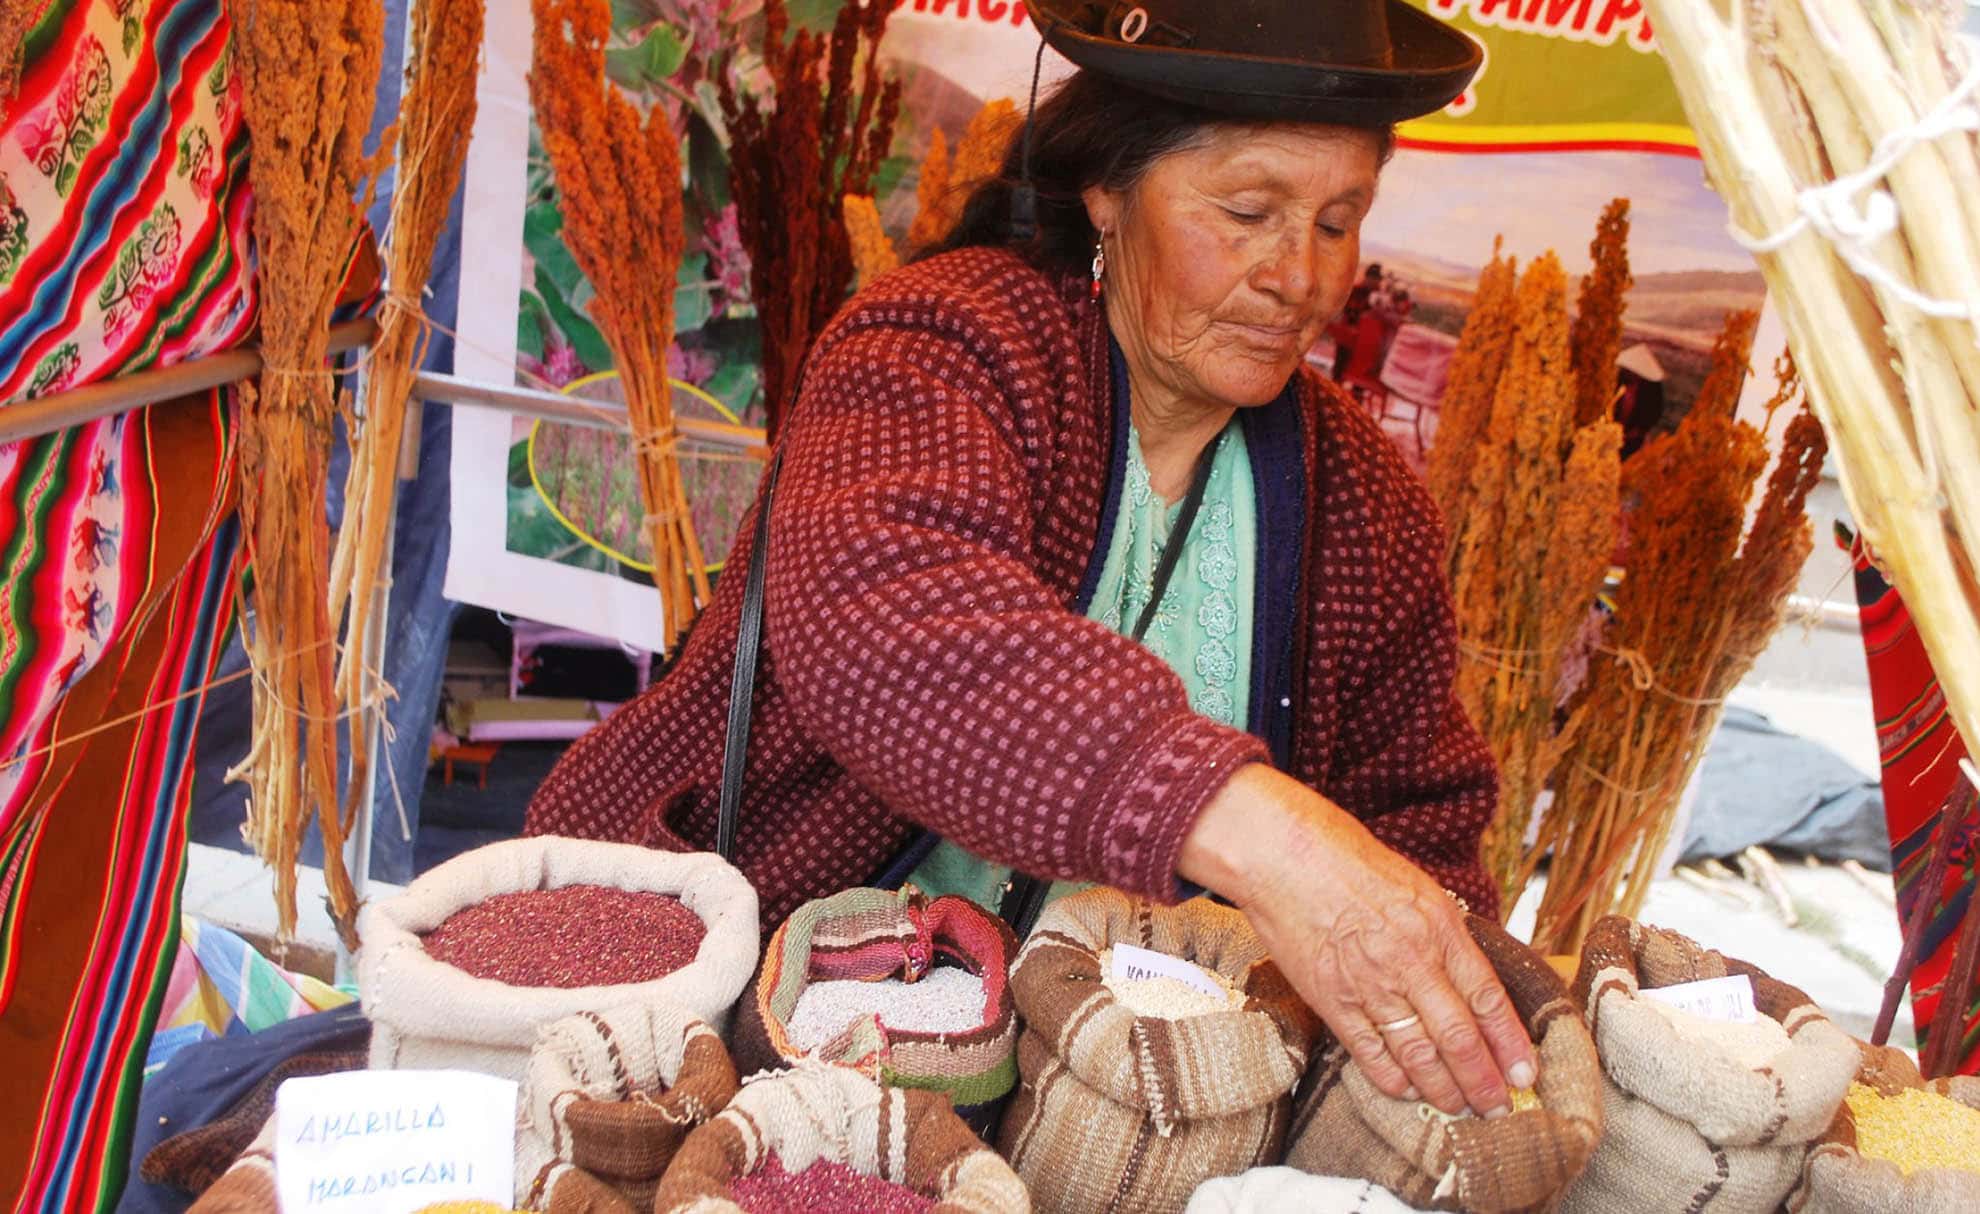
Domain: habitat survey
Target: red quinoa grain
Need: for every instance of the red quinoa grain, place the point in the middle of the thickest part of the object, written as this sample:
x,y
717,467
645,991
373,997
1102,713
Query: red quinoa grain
x,y
824,1186
574,935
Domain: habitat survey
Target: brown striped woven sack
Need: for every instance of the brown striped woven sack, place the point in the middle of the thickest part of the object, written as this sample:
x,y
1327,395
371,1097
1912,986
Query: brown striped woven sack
x,y
1344,1126
1839,1179
249,1186
1130,1114
426,1014
872,934
1689,1127
607,1100
822,1112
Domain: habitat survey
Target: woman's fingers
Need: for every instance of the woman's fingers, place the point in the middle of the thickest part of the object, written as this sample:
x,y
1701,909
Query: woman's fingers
x,y
1449,1029
1366,1044
1409,1042
1493,1011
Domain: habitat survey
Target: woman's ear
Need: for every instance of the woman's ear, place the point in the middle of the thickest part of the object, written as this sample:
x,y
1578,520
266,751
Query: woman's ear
x,y
1103,208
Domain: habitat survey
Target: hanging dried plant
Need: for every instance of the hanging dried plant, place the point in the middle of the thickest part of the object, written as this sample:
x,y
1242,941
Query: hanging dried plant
x,y
1598,316
619,186
792,158
945,184
308,72
1529,552
15,18
873,254
1468,391
436,116
1695,612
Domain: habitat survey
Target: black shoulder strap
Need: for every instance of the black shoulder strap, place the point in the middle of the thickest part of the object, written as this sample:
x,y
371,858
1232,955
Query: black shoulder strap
x,y
742,685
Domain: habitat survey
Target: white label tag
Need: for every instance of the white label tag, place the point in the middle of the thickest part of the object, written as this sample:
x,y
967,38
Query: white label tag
x,y
391,1142
1136,964
1728,1000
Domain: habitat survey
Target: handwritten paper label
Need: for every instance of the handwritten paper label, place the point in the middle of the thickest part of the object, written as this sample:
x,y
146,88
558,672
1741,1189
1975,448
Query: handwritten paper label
x,y
391,1142
1728,1000
1136,964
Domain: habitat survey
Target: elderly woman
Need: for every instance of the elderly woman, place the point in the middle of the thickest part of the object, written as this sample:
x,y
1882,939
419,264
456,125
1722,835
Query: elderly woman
x,y
1076,567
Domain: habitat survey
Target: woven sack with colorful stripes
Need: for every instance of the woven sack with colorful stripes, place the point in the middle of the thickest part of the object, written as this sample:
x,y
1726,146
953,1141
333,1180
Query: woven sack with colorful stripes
x,y
875,934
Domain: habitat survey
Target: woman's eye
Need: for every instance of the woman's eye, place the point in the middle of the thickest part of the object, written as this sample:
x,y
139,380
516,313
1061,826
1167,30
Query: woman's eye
x,y
1243,216
1334,230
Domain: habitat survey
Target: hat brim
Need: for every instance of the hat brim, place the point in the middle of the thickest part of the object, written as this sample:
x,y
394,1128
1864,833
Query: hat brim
x,y
1430,64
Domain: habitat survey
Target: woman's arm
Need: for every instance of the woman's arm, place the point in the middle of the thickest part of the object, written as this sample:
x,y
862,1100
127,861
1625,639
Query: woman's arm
x,y
1366,938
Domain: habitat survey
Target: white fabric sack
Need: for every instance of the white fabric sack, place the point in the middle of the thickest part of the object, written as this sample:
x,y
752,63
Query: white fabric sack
x,y
427,1014
1291,1191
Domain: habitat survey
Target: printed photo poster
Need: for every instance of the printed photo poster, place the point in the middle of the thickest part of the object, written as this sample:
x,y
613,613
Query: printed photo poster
x,y
546,518
1573,108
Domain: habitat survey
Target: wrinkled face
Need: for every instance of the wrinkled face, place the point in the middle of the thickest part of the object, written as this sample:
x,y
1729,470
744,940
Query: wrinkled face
x,y
1225,260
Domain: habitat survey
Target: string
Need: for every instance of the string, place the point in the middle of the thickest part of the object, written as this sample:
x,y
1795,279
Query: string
x,y
71,739
1830,209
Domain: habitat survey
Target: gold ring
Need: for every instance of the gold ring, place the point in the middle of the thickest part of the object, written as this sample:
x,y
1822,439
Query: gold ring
x,y
1397,1026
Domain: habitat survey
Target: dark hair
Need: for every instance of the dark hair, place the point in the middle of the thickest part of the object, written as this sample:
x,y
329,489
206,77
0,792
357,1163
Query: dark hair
x,y
1090,131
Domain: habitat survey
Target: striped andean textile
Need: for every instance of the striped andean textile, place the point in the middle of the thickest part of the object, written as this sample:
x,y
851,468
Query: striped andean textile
x,y
123,243
1920,748
219,985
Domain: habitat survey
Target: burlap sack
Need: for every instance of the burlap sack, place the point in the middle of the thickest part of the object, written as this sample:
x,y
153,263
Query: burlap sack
x,y
1131,1114
427,1014
834,1113
609,1096
871,934
1690,1128
1344,1126
1838,1179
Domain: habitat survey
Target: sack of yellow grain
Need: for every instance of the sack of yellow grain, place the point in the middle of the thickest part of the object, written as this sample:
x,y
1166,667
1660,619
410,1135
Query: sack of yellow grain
x,y
1701,1116
1134,1091
1898,1144
607,1099
1344,1126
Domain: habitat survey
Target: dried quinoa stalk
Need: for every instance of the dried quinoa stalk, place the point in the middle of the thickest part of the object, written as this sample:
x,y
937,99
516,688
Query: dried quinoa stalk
x,y
436,116
1529,550
873,254
932,215
1704,596
619,181
1598,317
1468,391
309,72
792,158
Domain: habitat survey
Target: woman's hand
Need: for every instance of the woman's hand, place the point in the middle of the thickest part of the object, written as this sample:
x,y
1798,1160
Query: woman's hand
x,y
1370,942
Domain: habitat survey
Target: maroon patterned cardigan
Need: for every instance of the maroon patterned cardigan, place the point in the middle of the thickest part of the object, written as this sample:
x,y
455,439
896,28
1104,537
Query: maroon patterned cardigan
x,y
946,473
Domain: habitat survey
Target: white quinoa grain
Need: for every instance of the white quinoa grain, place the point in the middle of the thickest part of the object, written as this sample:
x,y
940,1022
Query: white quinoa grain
x,y
1165,998
1751,1045
947,1000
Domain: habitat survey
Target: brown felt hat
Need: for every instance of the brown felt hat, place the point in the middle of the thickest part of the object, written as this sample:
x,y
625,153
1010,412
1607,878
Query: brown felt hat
x,y
1354,62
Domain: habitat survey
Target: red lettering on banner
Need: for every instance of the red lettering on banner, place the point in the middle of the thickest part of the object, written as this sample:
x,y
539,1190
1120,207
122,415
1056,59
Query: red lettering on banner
x,y
986,10
1569,19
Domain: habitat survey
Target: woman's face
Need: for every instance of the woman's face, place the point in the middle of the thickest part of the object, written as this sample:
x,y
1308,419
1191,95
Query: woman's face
x,y
1225,260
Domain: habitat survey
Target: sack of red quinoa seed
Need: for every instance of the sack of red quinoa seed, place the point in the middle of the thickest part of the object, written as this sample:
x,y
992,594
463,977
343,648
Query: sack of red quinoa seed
x,y
870,936
1127,1112
427,1013
1701,1116
1344,1126
1893,1145
610,1095
826,1137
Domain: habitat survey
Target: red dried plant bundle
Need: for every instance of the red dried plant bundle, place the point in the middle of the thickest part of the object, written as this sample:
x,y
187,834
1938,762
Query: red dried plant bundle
x,y
793,157
309,73
1704,594
619,185
1598,316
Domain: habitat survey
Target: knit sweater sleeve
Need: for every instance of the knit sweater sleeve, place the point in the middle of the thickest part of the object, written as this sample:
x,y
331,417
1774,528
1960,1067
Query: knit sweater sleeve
x,y
1410,764
917,643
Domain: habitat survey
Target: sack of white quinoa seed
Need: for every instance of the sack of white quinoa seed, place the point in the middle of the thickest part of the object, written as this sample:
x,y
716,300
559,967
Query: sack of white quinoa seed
x,y
1134,1093
1344,1126
1701,1116
824,1137
561,920
911,991
1898,1144
608,1098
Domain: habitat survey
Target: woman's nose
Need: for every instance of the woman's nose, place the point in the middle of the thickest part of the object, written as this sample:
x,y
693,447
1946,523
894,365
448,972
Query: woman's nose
x,y
1292,271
